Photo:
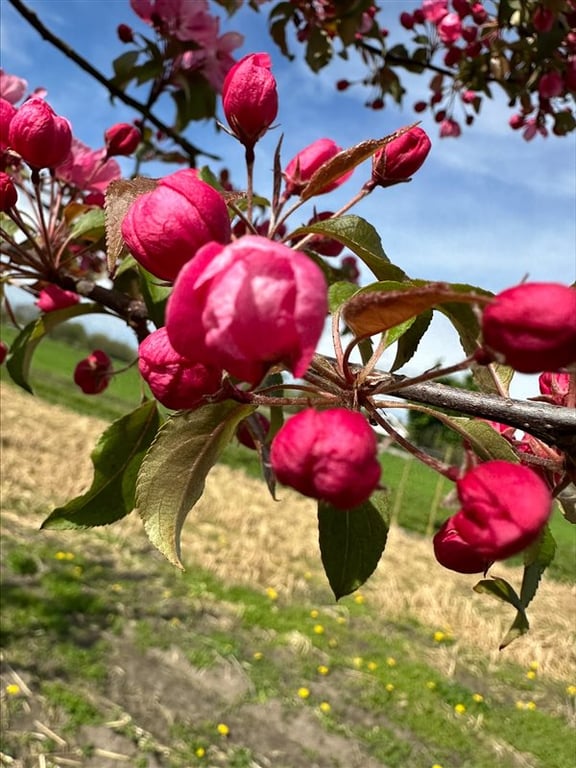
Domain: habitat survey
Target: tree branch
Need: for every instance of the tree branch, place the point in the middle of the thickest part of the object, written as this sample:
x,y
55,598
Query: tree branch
x,y
142,109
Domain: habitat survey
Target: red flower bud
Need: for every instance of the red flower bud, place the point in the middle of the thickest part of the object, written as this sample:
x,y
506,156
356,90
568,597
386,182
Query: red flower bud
x,y
398,160
175,381
550,85
249,98
164,228
53,297
532,327
342,85
543,19
504,508
556,387
8,192
7,112
329,455
244,434
125,33
122,139
454,553
40,136
246,306
407,20
3,351
301,168
93,374
325,246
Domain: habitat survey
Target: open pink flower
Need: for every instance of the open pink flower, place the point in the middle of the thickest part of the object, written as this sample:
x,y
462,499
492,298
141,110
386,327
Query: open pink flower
x,y
12,88
87,169
247,306
329,455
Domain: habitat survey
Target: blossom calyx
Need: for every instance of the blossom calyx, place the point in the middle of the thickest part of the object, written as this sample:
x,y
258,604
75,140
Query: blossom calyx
x,y
249,98
329,455
398,160
175,382
247,306
304,165
532,327
93,374
121,139
454,553
40,136
164,228
504,508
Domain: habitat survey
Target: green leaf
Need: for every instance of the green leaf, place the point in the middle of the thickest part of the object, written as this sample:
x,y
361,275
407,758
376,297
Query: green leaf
x,y
409,341
536,559
6,223
519,627
486,442
361,238
352,542
155,296
501,590
89,226
123,68
24,345
173,473
116,457
340,292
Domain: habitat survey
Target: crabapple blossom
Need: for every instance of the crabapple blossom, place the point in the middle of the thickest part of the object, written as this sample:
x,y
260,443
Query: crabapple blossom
x,y
555,386
449,28
532,327
8,192
504,508
122,139
454,553
398,160
93,374
12,87
247,306
175,382
164,228
87,169
329,455
249,98
434,10
40,136
7,112
550,85
304,165
53,297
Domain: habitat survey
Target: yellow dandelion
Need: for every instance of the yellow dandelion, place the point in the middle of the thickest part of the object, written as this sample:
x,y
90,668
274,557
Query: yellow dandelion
x,y
341,620
372,666
389,687
271,593
200,752
478,698
12,689
223,729
318,629
439,636
333,643
520,705
357,662
531,705
459,709
314,613
359,599
531,674
166,593
64,555
431,685
303,693
571,690
322,669
391,661
534,665
436,765
307,575
116,587
257,655
324,707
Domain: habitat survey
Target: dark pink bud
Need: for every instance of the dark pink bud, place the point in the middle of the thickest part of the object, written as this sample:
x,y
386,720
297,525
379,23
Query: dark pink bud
x,y
325,246
479,13
462,7
342,85
249,98
245,435
8,192
247,306
454,553
516,122
469,34
122,139
468,97
453,56
450,128
175,382
53,297
532,327
504,508
550,85
40,136
125,33
302,167
556,387
329,455
398,160
349,266
93,374
419,17
164,228
407,20
543,19
7,112
420,106
3,351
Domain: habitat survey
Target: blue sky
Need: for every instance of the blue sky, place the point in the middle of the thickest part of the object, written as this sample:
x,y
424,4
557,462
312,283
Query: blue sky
x,y
487,208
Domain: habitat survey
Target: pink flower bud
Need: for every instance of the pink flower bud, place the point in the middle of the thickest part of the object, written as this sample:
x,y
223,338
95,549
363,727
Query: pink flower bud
x,y
407,20
325,246
175,382
164,228
7,112
462,7
543,19
122,139
244,435
3,351
125,33
504,508
398,160
12,87
93,374
329,455
249,98
550,85
247,306
449,28
53,297
556,387
40,136
8,192
450,128
532,327
454,553
342,85
301,168
516,122
479,13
